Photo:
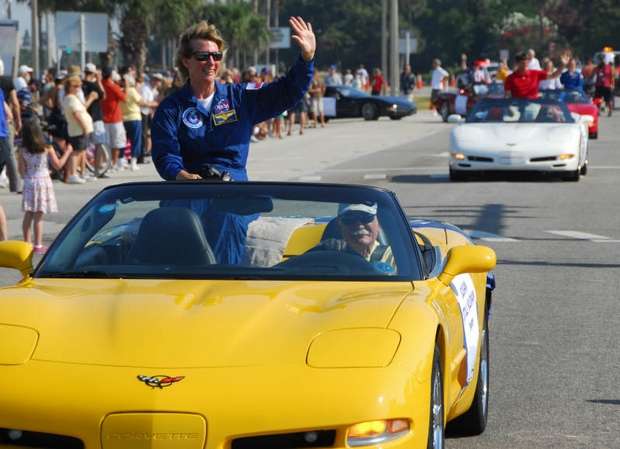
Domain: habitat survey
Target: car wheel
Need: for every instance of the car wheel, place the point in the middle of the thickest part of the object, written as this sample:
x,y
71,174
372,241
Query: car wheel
x,y
584,169
594,135
370,111
572,176
444,111
474,420
395,117
436,432
457,175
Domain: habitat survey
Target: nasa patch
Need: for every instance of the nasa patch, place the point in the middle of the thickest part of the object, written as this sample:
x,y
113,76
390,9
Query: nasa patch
x,y
192,118
221,106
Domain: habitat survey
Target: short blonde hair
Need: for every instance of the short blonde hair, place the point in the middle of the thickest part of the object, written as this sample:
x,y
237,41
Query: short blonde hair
x,y
201,30
71,79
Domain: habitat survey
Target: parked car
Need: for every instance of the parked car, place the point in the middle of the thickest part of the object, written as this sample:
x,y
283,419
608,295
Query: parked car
x,y
351,102
579,103
461,101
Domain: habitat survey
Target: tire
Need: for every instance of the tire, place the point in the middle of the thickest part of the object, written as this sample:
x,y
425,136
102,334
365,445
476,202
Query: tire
x,y
474,420
457,176
370,111
91,152
584,169
572,176
436,425
444,111
392,117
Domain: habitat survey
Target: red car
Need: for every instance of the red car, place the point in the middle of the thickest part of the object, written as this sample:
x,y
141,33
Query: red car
x,y
461,101
579,103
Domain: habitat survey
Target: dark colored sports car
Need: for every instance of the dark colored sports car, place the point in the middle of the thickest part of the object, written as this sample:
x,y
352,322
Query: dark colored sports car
x,y
351,102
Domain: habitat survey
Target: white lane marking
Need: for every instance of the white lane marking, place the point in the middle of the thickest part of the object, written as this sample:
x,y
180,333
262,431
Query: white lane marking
x,y
375,176
310,178
385,169
606,241
488,237
604,167
579,235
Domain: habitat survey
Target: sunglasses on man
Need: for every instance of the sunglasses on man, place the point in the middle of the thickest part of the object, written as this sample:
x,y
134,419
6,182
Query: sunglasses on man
x,y
206,55
351,218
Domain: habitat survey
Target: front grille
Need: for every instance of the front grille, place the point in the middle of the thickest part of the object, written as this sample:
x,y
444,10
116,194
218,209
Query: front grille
x,y
479,159
543,159
319,438
38,440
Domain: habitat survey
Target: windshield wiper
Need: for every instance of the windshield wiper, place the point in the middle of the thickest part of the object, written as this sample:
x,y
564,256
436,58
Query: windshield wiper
x,y
86,274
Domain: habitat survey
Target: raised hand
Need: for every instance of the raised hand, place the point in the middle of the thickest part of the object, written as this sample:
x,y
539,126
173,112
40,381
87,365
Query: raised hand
x,y
303,37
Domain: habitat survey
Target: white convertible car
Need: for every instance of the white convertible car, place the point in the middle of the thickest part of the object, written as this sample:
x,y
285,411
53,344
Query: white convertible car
x,y
501,135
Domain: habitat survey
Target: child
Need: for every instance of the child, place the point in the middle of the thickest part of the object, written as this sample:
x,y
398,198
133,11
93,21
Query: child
x,y
38,194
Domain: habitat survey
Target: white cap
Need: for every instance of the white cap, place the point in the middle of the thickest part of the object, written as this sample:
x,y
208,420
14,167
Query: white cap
x,y
90,67
1,67
157,76
24,69
368,208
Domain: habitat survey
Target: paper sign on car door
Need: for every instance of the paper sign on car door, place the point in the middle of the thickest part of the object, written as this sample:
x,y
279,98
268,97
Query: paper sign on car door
x,y
465,291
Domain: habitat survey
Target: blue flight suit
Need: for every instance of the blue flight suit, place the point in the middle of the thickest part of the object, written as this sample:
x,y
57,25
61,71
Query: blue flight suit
x,y
186,137
572,81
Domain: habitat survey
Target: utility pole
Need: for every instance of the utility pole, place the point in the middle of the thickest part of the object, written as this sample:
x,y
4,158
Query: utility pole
x,y
394,44
35,38
268,6
384,39
276,24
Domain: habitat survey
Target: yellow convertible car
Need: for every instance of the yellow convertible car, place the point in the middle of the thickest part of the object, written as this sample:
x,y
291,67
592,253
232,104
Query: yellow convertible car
x,y
245,315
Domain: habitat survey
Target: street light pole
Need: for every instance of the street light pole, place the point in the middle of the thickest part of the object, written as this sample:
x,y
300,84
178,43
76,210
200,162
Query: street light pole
x,y
384,39
35,38
394,44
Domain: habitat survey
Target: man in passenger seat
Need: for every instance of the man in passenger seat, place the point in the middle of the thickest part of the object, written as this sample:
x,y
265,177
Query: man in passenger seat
x,y
360,228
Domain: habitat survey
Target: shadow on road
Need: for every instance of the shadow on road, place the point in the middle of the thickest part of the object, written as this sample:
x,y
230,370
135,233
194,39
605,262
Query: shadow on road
x,y
490,177
605,401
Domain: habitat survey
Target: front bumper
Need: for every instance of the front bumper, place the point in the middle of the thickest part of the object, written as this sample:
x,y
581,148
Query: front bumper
x,y
514,165
81,401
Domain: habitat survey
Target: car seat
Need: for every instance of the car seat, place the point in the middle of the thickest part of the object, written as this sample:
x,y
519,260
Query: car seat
x,y
171,236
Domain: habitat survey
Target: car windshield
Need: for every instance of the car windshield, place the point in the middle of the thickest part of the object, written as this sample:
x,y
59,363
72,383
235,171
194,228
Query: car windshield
x,y
519,111
566,96
236,231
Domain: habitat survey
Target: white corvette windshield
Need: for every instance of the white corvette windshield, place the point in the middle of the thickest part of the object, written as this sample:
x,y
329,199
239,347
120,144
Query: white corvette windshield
x,y
519,111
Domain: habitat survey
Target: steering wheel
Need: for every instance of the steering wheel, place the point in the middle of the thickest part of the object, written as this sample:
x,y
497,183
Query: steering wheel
x,y
329,261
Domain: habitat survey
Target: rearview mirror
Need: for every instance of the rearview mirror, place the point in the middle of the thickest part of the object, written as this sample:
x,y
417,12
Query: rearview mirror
x,y
467,259
455,119
16,254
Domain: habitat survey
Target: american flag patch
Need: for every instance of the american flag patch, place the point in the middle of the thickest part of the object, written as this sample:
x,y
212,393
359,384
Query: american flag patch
x,y
253,86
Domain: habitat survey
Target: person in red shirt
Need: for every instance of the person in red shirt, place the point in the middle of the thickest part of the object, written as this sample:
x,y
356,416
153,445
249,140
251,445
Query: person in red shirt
x,y
604,75
523,83
113,116
377,83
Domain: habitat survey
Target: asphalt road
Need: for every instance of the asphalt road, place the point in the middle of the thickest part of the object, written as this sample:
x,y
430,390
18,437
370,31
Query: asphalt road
x,y
555,356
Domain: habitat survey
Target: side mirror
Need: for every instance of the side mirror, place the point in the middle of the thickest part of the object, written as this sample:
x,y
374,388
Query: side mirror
x,y
17,255
587,119
455,119
467,259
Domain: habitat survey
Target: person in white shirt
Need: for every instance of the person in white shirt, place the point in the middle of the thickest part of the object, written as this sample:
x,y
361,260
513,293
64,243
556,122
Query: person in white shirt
x,y
150,93
362,73
24,73
348,78
439,77
550,83
532,61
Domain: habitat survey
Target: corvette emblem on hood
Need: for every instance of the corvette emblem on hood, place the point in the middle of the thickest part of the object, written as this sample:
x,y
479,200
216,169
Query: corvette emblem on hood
x,y
160,381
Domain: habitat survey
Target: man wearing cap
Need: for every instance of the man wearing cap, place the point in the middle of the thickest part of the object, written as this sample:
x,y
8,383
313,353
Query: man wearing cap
x,y
523,82
360,229
24,73
94,92
149,93
113,116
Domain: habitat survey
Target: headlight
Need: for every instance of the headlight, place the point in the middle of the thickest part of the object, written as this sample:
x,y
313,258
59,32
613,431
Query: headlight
x,y
18,344
353,348
565,156
371,433
458,156
394,107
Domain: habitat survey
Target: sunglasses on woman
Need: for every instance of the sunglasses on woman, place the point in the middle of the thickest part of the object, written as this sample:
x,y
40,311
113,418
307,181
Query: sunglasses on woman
x,y
205,55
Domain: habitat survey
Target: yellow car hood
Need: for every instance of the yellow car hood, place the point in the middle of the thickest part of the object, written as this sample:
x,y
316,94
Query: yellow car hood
x,y
172,323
